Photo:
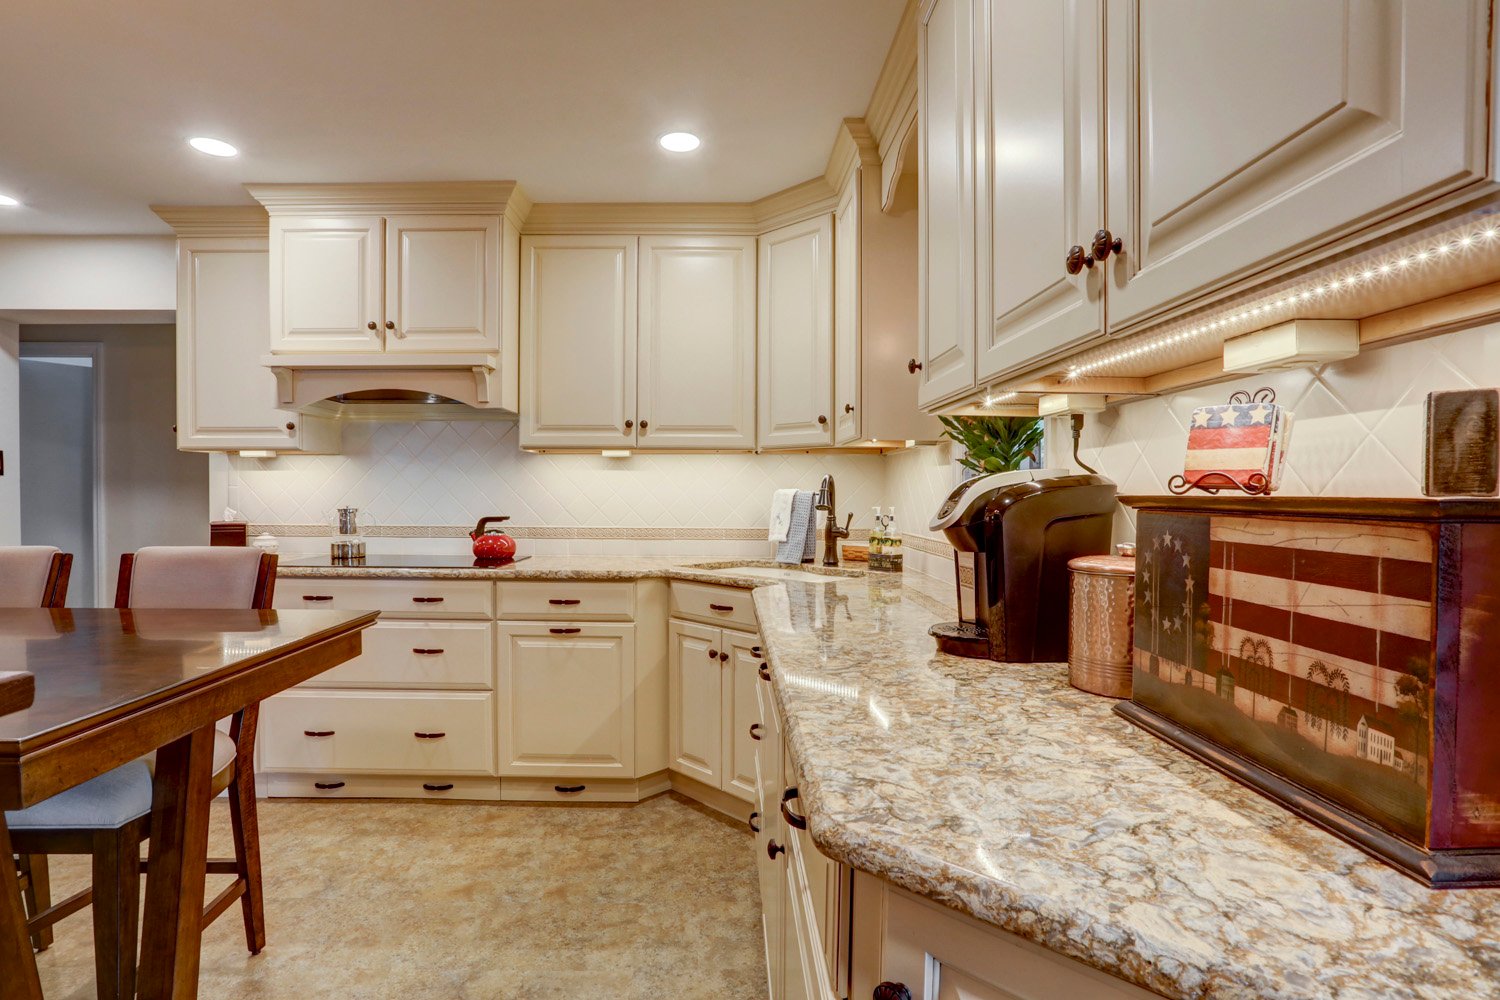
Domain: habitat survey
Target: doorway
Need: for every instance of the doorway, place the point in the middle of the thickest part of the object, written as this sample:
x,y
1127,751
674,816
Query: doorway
x,y
61,496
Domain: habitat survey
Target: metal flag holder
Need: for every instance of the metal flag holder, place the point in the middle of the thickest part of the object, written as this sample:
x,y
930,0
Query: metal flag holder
x,y
1255,484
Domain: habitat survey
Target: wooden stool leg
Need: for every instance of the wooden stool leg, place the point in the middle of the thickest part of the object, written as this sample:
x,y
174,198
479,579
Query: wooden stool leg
x,y
38,896
117,900
245,826
20,981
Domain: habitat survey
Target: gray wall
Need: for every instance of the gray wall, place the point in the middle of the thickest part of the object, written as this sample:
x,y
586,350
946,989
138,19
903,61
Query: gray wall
x,y
57,478
10,432
153,494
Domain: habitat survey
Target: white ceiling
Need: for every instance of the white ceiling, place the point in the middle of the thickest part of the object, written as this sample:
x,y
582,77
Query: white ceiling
x,y
97,98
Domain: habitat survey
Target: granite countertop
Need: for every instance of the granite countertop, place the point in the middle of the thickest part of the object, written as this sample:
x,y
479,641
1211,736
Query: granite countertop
x,y
1004,793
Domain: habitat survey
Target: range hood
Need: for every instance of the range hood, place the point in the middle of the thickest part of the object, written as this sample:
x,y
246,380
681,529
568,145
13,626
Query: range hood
x,y
439,384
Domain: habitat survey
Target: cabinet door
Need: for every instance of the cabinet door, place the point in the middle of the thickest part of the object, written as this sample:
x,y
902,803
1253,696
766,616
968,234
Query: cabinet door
x,y
846,331
578,341
741,711
1241,134
696,374
771,868
442,283
796,335
1042,192
567,700
946,190
327,284
695,707
225,399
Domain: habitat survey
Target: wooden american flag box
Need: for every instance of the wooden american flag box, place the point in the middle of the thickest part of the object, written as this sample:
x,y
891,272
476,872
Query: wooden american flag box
x,y
1242,442
1336,655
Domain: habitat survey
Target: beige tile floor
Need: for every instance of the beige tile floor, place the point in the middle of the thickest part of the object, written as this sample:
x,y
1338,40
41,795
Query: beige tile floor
x,y
368,901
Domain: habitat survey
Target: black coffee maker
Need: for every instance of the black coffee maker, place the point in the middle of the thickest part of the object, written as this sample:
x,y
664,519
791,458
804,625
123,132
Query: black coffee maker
x,y
1022,527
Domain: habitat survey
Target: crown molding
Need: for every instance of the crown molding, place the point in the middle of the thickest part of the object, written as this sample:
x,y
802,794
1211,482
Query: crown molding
x,y
854,144
214,220
435,197
896,86
795,204
641,218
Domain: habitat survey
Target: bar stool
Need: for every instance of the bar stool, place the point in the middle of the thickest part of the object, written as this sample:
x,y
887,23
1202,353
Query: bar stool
x,y
108,818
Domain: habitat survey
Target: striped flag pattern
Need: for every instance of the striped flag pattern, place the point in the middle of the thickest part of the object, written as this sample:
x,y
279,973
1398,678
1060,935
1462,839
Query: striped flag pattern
x,y
1238,440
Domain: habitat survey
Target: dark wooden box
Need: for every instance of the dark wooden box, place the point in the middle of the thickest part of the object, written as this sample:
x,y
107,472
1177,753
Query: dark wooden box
x,y
1340,656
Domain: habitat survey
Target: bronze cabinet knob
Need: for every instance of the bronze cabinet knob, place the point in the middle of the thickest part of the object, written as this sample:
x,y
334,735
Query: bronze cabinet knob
x,y
290,426
848,407
773,849
891,991
1105,244
643,426
629,424
372,325
1077,260
913,366
822,419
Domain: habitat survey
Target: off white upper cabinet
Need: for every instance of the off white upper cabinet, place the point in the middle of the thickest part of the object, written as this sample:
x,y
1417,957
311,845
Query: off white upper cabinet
x,y
948,158
225,400
1042,189
386,283
442,285
638,342
1241,134
796,335
696,361
1214,140
848,407
578,341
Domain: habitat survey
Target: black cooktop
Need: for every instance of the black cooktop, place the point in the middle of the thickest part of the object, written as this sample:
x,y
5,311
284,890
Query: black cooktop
x,y
379,561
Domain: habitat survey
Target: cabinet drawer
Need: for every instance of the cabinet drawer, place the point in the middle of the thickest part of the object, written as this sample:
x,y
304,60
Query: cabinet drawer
x,y
413,654
728,606
336,785
398,598
376,731
567,599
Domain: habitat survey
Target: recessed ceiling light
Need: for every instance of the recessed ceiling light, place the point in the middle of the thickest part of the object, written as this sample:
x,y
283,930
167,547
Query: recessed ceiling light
x,y
213,147
679,142
7,201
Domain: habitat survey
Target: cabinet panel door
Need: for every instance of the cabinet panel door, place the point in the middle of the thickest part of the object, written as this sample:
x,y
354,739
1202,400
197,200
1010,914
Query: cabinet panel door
x,y
1043,189
697,342
442,283
846,318
946,189
578,341
695,702
796,335
1245,133
772,870
567,700
225,399
741,711
327,284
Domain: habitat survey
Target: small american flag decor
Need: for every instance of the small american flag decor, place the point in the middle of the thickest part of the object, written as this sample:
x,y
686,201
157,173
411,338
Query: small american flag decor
x,y
1236,445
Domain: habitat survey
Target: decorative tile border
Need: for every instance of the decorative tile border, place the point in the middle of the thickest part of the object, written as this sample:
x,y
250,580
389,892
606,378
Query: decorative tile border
x,y
539,531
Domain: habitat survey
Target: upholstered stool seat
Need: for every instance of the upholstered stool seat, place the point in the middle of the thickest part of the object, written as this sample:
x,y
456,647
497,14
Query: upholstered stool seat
x,y
109,801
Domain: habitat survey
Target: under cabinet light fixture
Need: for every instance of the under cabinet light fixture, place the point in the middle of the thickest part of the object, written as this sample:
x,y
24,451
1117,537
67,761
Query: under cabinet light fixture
x,y
213,147
1004,397
1484,234
615,453
256,453
8,202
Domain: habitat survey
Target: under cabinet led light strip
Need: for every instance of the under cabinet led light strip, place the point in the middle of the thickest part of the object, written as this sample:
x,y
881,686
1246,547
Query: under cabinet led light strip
x,y
1483,235
1004,397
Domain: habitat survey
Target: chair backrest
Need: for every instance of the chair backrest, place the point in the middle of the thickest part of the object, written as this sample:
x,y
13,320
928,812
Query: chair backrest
x,y
17,691
196,576
34,576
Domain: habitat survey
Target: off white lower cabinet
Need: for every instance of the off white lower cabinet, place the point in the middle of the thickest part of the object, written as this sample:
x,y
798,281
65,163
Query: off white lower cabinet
x,y
712,705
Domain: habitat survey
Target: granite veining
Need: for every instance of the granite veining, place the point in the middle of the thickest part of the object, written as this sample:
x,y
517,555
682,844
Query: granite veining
x,y
1004,793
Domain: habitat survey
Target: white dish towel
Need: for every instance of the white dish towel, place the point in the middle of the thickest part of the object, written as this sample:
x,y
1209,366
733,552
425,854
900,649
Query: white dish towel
x,y
781,514
802,534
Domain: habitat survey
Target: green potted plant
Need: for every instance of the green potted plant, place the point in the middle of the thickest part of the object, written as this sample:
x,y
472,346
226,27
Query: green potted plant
x,y
994,444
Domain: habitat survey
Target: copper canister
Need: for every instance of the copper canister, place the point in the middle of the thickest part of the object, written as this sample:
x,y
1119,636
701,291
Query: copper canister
x,y
1101,624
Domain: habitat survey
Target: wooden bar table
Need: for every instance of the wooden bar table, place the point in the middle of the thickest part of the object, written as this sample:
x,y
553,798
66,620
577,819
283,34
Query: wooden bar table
x,y
112,685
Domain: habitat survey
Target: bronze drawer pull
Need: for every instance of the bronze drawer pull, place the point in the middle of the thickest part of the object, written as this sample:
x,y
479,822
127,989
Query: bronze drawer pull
x,y
755,731
565,631
751,822
426,652
792,819
773,849
317,597
765,672
427,785
755,651
891,991
327,786
568,789
721,607
317,733
429,736
565,601
427,600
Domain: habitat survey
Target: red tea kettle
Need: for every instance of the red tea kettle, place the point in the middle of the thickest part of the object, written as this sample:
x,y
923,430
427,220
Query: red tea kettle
x,y
492,543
